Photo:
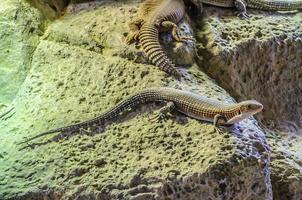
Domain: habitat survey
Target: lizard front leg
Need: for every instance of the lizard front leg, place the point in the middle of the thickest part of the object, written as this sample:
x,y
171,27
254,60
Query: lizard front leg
x,y
241,7
135,27
218,120
163,112
173,28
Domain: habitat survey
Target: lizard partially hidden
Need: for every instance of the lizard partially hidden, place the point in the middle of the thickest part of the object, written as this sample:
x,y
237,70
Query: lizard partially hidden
x,y
241,5
156,16
186,102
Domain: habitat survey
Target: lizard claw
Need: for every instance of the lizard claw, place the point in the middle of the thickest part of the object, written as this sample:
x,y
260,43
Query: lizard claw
x,y
157,117
242,15
132,38
158,22
217,129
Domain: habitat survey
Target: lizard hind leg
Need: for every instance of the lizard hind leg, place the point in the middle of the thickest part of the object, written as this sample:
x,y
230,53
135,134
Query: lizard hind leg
x,y
163,112
134,27
174,31
219,120
133,37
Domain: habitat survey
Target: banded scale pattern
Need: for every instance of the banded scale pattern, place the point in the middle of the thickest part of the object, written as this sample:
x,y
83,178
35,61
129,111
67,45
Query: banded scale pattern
x,y
186,102
149,40
275,5
156,16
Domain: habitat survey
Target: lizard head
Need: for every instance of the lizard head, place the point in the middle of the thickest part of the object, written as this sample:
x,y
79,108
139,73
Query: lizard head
x,y
246,109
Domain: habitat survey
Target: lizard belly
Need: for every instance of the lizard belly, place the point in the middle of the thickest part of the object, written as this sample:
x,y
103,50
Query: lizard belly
x,y
199,117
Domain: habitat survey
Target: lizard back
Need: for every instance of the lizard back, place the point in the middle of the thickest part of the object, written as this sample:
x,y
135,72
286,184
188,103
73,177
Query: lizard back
x,y
153,13
167,10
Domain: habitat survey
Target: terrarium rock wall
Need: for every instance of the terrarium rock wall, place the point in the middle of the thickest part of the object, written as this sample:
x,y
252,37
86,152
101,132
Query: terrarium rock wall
x,y
51,9
286,162
20,28
80,67
259,57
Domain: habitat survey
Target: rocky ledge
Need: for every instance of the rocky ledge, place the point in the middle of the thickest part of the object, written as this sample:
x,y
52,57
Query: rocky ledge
x,y
79,67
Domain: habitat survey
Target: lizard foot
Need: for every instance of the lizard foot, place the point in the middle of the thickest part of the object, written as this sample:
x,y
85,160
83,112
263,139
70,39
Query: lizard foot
x,y
217,129
132,38
163,113
158,117
242,15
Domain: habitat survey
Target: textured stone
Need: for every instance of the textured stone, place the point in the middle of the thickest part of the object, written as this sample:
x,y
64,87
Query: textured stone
x,y
286,166
259,57
20,28
51,9
78,71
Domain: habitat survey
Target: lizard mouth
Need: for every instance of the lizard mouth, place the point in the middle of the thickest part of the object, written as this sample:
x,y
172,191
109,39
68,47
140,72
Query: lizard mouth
x,y
236,119
243,115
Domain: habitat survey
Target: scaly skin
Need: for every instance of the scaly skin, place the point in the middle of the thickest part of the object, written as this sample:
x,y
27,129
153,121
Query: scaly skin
x,y
156,16
186,102
241,5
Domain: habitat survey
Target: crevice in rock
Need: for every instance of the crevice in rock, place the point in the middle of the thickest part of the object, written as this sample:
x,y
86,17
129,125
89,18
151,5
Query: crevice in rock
x,y
258,64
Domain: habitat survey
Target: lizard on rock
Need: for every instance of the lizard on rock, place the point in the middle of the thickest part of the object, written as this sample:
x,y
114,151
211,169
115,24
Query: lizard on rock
x,y
241,5
186,102
156,16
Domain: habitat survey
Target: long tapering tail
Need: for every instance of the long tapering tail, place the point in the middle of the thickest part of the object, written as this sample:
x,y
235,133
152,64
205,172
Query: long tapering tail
x,y
126,104
149,35
276,5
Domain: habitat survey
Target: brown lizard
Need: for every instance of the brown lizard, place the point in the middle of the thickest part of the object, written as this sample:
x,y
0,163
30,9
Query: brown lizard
x,y
188,103
156,16
241,5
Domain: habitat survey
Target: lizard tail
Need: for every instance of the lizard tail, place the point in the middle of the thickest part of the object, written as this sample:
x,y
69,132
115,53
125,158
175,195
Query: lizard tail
x,y
276,5
126,104
41,134
149,39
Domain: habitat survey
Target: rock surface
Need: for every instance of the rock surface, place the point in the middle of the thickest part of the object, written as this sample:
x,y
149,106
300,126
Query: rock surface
x,y
20,28
286,166
260,58
79,68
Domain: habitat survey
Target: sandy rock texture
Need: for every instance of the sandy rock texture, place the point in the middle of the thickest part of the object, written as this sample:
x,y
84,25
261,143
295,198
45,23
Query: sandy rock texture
x,y
286,165
261,57
80,67
51,9
20,28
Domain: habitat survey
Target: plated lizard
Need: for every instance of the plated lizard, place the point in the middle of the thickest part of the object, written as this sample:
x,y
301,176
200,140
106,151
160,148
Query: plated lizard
x,y
241,5
156,16
188,103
